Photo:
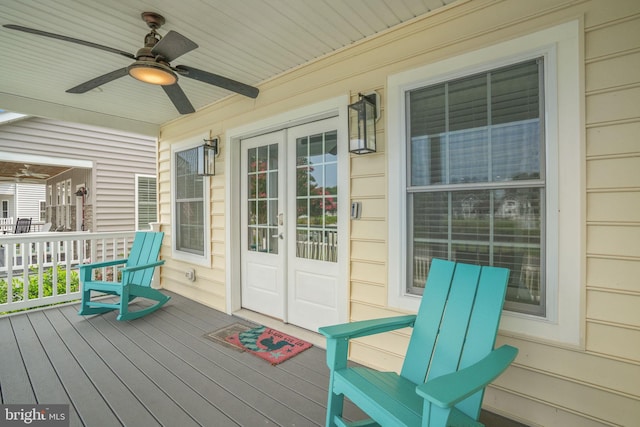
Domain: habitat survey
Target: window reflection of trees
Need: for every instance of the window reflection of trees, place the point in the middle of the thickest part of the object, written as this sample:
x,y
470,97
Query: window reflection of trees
x,y
316,197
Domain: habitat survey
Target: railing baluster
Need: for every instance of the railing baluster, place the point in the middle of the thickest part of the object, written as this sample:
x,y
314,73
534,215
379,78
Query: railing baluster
x,y
37,247
9,249
25,273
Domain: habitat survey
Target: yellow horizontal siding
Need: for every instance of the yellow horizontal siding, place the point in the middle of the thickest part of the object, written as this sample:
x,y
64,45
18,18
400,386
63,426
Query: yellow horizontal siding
x,y
534,413
621,308
373,208
612,49
370,251
368,229
370,186
614,340
619,206
575,365
375,358
614,274
368,272
562,392
613,72
614,105
368,293
614,173
612,240
368,165
617,36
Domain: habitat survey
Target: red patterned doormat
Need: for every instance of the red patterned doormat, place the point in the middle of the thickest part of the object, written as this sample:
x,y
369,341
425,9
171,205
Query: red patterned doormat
x,y
273,346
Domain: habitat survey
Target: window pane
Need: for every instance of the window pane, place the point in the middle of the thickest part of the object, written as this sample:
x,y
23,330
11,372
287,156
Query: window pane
x,y
516,151
430,216
428,160
262,193
467,103
427,125
471,220
469,154
316,188
515,93
189,204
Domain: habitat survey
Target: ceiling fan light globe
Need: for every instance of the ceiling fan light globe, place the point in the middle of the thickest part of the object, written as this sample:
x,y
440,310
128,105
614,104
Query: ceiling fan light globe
x,y
152,72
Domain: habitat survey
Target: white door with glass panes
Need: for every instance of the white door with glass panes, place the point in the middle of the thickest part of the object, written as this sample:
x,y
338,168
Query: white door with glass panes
x,y
263,261
290,258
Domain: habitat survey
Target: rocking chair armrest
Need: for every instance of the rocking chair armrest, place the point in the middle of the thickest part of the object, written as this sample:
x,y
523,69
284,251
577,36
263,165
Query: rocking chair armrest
x,y
447,390
102,264
142,267
364,328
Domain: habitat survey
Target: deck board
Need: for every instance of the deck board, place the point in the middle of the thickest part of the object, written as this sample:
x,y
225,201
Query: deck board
x,y
150,397
159,370
12,368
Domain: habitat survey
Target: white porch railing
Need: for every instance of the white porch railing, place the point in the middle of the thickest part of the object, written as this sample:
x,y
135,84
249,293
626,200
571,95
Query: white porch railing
x,y
6,225
47,264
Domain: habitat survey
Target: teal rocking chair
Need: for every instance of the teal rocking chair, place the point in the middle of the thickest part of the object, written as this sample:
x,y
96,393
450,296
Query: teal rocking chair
x,y
136,280
449,361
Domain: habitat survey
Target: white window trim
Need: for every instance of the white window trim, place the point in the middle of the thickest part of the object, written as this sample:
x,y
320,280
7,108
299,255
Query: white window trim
x,y
205,259
560,45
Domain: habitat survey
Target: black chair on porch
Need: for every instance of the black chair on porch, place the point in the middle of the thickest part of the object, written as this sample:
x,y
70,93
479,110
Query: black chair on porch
x,y
23,225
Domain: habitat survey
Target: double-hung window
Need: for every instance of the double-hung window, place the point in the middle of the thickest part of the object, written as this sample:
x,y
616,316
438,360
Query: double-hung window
x,y
190,224
476,182
486,157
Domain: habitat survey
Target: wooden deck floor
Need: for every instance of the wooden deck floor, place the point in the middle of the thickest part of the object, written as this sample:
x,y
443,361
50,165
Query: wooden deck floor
x,y
159,370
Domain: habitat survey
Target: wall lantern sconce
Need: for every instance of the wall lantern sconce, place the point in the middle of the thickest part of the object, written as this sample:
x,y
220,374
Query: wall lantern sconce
x,y
206,156
362,124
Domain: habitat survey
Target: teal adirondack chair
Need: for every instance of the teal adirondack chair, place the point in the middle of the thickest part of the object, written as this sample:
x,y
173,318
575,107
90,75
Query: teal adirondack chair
x,y
136,279
449,361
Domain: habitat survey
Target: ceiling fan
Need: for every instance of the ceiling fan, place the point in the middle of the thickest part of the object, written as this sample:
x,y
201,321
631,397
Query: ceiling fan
x,y
25,172
152,63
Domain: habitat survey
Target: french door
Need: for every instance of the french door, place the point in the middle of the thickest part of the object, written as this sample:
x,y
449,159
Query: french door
x,y
291,250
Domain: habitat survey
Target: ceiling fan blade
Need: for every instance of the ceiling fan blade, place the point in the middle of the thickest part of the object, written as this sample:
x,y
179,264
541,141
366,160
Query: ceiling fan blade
x,y
173,45
217,80
69,39
98,81
179,99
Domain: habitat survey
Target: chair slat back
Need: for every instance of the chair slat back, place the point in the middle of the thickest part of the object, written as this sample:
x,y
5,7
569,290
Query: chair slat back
x,y
145,250
425,331
455,319
483,327
457,322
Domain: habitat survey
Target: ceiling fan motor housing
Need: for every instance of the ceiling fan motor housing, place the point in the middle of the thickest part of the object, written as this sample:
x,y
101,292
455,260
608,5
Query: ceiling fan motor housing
x,y
149,67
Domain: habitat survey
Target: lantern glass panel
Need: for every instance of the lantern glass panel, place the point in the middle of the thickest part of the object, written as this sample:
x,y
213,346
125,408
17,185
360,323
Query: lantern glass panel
x,y
362,131
206,160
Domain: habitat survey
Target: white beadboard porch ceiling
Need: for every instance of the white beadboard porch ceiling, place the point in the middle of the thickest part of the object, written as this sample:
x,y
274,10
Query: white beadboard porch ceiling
x,y
246,40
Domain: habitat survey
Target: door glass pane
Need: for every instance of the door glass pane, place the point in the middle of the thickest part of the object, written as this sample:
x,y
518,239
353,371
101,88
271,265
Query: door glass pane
x,y
262,193
316,197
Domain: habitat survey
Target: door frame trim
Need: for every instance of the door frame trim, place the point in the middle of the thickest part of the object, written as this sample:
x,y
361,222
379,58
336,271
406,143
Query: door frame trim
x,y
329,108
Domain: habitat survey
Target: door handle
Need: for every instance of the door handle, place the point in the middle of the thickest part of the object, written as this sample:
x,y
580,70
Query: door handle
x,y
279,236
